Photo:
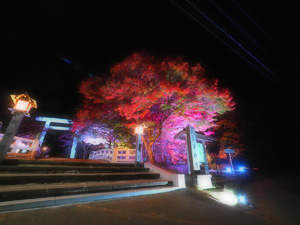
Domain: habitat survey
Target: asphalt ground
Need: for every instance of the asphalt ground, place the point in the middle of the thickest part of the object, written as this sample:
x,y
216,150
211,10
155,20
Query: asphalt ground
x,y
186,206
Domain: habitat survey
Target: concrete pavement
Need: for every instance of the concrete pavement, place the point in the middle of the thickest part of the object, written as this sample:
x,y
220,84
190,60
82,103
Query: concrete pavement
x,y
187,206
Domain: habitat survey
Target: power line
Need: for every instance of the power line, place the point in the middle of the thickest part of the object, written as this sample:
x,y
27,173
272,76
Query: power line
x,y
240,28
253,21
229,36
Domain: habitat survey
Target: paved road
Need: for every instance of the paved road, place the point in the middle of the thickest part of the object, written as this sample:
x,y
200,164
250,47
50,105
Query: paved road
x,y
187,206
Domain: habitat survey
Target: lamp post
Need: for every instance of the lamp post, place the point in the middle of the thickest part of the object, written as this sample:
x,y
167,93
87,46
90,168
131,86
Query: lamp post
x,y
229,152
22,105
139,130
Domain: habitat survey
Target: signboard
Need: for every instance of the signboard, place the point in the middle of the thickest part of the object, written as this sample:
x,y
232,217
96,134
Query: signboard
x,y
201,152
197,150
193,148
228,151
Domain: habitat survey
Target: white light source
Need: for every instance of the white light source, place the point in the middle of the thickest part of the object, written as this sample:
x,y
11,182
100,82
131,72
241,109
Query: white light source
x,y
242,169
226,197
139,129
53,120
23,106
228,170
23,103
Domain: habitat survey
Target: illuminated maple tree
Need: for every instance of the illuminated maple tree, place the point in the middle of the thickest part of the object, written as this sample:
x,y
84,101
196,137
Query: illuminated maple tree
x,y
165,94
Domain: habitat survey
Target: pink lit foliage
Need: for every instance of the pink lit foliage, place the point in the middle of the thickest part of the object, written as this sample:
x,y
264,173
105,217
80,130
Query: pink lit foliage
x,y
166,94
93,134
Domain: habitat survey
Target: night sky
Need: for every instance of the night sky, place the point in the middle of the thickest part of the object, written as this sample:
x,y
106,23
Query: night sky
x,y
50,46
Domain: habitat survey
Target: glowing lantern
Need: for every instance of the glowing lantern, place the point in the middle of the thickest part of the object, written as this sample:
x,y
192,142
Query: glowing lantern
x,y
139,129
23,103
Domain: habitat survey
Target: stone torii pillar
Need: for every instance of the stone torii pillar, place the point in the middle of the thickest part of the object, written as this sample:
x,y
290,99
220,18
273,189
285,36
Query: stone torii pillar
x,y
48,121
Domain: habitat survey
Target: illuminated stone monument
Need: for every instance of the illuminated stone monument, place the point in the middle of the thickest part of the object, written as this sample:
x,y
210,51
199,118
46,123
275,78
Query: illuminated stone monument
x,y
196,155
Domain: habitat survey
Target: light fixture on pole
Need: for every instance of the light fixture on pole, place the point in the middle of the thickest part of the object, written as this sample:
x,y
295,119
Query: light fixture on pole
x,y
230,151
22,105
139,131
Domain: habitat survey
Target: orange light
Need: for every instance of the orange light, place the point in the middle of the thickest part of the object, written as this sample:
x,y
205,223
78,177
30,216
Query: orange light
x,y
22,105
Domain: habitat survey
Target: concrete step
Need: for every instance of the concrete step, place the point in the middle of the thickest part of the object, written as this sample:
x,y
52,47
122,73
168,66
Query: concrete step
x,y
69,169
18,192
25,178
63,162
8,206
28,184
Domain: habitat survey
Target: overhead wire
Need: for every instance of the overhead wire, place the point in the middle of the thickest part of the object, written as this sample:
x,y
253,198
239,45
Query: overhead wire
x,y
238,26
253,21
230,37
221,40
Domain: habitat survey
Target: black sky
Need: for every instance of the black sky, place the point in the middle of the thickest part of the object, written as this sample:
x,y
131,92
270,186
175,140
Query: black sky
x,y
49,46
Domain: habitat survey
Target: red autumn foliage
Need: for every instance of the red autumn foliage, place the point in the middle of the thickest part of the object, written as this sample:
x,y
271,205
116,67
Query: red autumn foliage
x,y
166,94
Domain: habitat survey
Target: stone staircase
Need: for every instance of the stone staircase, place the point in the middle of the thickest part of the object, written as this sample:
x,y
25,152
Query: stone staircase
x,y
35,183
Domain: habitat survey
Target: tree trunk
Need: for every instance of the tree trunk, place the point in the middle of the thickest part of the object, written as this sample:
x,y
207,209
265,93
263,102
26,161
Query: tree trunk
x,y
149,150
150,154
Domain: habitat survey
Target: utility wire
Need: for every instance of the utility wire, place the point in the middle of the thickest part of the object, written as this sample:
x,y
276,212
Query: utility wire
x,y
230,37
253,21
240,28
220,39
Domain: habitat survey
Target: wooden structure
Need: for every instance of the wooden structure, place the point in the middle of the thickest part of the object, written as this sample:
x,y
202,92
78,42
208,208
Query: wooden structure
x,y
114,156
23,147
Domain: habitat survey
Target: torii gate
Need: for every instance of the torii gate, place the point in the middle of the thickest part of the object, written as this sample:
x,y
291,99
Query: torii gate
x,y
48,121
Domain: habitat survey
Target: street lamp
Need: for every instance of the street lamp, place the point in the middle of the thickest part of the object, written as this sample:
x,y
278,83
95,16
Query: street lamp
x,y
139,131
22,105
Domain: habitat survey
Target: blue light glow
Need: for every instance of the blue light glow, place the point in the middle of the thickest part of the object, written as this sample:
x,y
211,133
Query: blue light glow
x,y
241,169
73,149
242,199
228,170
66,60
59,128
53,120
